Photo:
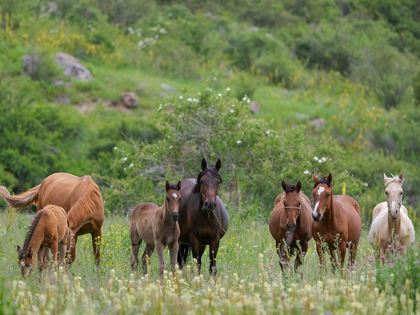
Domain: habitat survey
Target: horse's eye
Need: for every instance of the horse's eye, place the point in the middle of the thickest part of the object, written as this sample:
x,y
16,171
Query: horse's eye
x,y
201,182
386,193
167,199
179,199
401,194
328,195
299,204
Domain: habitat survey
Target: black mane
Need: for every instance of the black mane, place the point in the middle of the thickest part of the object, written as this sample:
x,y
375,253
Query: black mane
x,y
213,171
289,188
323,180
30,233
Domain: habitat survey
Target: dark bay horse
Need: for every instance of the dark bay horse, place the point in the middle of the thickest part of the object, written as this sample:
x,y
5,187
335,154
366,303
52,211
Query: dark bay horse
x,y
337,221
78,196
203,219
291,223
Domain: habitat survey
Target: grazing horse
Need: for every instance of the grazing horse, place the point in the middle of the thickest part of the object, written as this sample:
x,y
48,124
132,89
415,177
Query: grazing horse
x,y
78,196
291,223
337,221
203,219
390,222
49,230
158,227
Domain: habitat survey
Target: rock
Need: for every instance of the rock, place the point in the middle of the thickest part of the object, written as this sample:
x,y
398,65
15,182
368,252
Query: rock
x,y
319,123
30,63
255,107
130,100
167,87
63,99
72,67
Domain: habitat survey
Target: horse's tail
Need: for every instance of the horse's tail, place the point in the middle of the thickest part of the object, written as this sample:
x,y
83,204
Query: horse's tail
x,y
22,200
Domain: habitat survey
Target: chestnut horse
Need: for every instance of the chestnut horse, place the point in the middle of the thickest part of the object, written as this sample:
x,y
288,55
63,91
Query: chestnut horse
x,y
78,196
337,221
291,223
203,219
157,227
49,230
390,223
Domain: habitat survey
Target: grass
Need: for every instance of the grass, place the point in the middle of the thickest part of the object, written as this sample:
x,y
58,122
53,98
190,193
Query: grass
x,y
249,280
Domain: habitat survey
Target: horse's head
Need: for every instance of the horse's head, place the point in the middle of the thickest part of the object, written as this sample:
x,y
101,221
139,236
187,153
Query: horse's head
x,y
322,194
208,182
172,199
394,193
292,202
26,261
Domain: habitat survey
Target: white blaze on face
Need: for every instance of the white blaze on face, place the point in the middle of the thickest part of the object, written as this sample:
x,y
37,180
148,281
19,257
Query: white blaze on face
x,y
316,207
393,205
320,190
394,188
175,195
22,263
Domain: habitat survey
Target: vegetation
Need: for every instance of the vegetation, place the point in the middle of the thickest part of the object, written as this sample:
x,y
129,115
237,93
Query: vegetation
x,y
338,85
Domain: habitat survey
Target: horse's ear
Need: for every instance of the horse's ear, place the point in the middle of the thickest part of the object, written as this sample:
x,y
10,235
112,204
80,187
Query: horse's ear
x,y
203,164
314,177
18,249
218,165
167,186
283,184
385,178
298,186
329,177
401,176
178,186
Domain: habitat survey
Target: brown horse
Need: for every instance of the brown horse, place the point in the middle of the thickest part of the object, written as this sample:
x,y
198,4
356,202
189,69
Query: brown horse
x,y
291,223
158,227
203,219
337,221
78,196
49,230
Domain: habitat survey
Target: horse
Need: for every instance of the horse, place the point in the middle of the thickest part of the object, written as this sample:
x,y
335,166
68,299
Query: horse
x,y
49,230
158,227
203,219
290,223
337,221
390,222
80,197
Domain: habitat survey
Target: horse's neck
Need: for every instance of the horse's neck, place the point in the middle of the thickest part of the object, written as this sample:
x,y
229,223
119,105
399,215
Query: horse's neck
x,y
35,242
394,225
331,214
166,214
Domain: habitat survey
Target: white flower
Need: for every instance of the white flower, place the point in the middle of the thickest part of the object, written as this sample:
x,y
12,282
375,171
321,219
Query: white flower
x,y
163,31
228,89
239,124
209,89
316,158
160,107
320,161
239,141
366,184
306,172
232,111
244,98
219,95
131,165
324,159
189,99
124,159
268,132
180,97
195,100
156,36
115,148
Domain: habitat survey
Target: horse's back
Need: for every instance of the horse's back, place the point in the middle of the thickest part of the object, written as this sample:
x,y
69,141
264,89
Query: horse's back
x,y
275,217
351,210
60,219
407,227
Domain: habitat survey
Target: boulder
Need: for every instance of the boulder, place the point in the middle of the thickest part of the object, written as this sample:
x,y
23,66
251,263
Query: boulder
x,y
62,99
130,100
72,67
255,107
30,63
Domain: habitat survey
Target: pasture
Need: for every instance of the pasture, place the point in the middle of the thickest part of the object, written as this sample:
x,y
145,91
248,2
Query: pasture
x,y
249,280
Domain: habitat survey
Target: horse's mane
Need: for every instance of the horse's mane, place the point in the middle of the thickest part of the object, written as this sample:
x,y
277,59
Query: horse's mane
x,y
30,233
86,204
394,179
323,180
290,187
213,171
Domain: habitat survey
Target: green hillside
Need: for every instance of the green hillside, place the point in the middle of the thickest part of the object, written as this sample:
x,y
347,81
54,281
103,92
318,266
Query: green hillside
x,y
333,79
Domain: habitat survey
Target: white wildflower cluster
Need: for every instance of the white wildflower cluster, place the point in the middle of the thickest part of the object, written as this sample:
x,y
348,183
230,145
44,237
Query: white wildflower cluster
x,y
152,37
320,160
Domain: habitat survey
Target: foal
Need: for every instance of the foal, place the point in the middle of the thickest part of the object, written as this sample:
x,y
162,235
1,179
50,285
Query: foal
x,y
158,227
49,229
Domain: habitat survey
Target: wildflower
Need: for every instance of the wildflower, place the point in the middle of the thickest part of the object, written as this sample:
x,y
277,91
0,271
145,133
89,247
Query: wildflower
x,y
115,148
267,132
271,265
389,246
395,250
189,99
316,158
232,111
371,259
239,141
306,172
228,89
124,159
391,266
160,107
403,261
219,94
180,97
382,257
131,165
324,159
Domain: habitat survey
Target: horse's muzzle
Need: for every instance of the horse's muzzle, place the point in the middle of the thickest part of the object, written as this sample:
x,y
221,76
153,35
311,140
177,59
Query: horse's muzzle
x,y
317,217
209,206
175,216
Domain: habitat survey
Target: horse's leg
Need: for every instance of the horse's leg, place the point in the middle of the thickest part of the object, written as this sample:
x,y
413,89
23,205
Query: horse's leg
x,y
61,252
353,253
195,248
214,247
54,251
182,254
72,257
96,243
41,260
173,252
160,247
135,246
343,249
301,255
320,252
148,251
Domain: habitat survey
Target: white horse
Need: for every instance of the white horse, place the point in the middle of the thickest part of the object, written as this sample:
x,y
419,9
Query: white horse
x,y
391,215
